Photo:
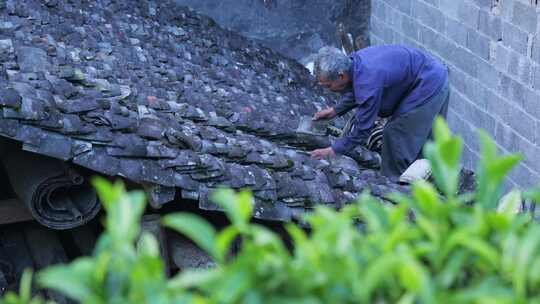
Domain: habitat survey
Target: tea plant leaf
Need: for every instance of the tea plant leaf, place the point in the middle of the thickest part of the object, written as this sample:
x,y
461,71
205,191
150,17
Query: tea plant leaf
x,y
108,193
190,278
26,286
74,280
491,171
510,202
223,242
194,227
444,154
238,207
426,198
527,249
452,268
148,245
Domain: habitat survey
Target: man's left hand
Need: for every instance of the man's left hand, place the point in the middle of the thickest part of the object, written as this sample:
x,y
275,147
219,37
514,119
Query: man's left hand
x,y
323,153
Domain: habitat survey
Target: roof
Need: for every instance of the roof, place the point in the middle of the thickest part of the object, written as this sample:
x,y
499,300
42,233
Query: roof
x,y
162,96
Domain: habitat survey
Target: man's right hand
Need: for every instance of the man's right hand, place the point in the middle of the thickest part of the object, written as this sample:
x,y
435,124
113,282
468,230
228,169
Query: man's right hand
x,y
325,114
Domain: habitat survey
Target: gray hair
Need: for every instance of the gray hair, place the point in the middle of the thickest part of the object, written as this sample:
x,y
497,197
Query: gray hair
x,y
330,62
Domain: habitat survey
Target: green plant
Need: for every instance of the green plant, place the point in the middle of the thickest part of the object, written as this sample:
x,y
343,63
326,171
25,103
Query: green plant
x,y
126,266
428,248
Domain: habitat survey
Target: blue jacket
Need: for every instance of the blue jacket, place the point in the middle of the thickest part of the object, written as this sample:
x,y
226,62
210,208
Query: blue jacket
x,y
387,81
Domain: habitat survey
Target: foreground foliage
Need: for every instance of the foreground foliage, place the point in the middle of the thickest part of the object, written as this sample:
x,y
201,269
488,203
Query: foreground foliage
x,y
429,248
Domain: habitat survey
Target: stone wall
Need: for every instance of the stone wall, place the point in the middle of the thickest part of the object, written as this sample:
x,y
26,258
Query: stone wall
x,y
493,50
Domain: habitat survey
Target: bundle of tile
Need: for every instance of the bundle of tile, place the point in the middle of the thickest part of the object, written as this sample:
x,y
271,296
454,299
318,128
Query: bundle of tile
x,y
162,96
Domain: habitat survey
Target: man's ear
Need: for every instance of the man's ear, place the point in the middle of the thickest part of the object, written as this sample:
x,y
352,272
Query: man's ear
x,y
343,76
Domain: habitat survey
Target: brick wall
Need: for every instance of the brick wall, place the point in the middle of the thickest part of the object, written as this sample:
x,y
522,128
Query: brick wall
x,y
493,50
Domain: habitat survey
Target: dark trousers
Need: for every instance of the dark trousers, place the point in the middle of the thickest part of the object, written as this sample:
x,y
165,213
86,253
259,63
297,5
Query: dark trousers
x,y
405,135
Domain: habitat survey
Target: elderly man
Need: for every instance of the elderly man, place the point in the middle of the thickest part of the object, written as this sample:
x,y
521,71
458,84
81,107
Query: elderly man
x,y
393,81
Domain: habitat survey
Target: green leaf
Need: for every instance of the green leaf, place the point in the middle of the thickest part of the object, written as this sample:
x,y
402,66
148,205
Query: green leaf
x,y
238,207
510,202
379,269
410,275
533,194
426,197
195,228
452,269
444,155
193,278
108,193
223,242
25,288
441,132
373,213
73,280
491,172
148,245
124,215
527,250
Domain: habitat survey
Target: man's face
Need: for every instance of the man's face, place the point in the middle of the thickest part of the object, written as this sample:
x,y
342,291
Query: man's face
x,y
338,85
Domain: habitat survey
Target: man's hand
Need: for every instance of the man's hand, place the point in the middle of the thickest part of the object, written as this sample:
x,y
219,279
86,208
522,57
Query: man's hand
x,y
323,153
325,114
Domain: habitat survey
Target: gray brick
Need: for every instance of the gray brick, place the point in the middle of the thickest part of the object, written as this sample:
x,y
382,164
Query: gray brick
x,y
531,153
458,79
409,28
429,15
478,44
404,6
475,92
488,75
394,19
516,118
376,40
536,48
525,71
525,17
513,64
377,27
442,46
524,176
428,36
493,101
452,118
515,38
490,25
398,38
511,141
502,57
507,9
536,77
531,103
450,8
378,9
537,135
457,31
461,127
519,93
447,49
505,86
484,4
480,119
464,60
388,34
435,3
468,14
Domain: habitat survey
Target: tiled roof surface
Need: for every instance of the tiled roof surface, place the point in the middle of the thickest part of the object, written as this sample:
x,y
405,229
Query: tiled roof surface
x,y
160,95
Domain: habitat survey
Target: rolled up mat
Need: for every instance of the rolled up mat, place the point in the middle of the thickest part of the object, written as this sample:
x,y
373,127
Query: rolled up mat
x,y
54,193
